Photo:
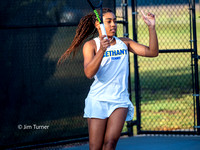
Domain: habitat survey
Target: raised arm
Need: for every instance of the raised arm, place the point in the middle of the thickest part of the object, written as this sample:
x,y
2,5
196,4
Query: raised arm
x,y
142,50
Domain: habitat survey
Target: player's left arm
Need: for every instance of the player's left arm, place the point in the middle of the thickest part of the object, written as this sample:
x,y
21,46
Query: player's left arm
x,y
143,50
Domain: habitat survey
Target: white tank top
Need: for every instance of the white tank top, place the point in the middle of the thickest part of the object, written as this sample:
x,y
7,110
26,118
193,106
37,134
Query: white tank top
x,y
111,79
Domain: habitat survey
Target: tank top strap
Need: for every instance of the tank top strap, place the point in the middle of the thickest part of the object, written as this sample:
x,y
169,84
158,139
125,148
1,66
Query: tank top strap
x,y
97,41
119,41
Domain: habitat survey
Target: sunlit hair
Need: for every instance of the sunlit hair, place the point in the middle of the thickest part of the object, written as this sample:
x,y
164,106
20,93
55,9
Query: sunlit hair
x,y
86,30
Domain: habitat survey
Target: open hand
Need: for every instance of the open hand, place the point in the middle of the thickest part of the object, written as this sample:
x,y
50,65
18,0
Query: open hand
x,y
149,19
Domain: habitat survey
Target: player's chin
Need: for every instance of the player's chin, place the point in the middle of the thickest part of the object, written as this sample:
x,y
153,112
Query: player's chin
x,y
112,34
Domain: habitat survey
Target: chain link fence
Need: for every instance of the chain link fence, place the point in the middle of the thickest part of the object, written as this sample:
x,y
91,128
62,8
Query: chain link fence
x,y
166,82
41,102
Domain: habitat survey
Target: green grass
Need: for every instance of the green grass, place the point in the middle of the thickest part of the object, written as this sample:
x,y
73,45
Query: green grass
x,y
166,81
169,114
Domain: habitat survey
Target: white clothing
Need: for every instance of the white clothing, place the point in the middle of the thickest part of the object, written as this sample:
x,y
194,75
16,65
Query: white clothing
x,y
110,87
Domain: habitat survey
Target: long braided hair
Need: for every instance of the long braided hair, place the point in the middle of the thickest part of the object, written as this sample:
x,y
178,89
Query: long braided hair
x,y
86,29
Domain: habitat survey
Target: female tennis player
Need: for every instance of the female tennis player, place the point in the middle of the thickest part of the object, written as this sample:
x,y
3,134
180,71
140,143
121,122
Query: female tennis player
x,y
107,105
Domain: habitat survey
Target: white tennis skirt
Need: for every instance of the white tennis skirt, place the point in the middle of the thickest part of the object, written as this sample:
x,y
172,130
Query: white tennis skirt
x,y
103,109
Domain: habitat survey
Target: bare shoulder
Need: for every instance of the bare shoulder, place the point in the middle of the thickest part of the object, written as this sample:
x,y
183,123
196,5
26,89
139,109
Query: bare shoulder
x,y
125,40
90,43
89,46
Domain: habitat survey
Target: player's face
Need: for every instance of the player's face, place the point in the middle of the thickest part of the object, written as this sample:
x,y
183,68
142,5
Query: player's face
x,y
109,20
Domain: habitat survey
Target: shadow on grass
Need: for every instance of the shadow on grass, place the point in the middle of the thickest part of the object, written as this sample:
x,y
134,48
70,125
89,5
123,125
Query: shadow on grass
x,y
165,84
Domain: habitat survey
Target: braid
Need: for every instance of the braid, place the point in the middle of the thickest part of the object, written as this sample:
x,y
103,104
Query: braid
x,y
86,28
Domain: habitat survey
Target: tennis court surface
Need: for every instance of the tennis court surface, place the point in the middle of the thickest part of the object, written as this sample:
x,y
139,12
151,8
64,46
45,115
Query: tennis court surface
x,y
151,143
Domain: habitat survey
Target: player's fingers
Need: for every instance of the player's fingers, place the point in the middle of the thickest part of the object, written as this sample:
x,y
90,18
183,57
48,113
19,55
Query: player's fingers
x,y
143,13
104,45
150,14
107,43
104,42
102,37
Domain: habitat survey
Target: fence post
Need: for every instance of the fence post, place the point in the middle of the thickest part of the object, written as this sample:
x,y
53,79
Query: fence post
x,y
196,65
124,5
136,71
